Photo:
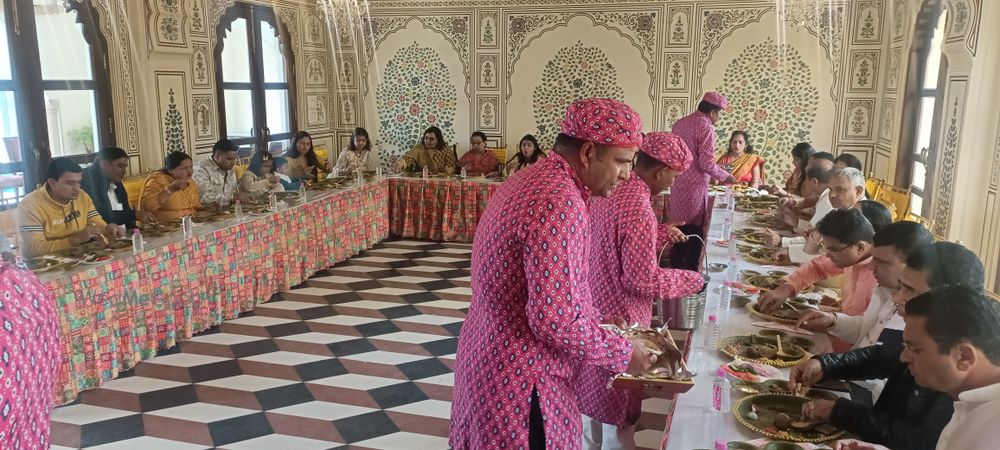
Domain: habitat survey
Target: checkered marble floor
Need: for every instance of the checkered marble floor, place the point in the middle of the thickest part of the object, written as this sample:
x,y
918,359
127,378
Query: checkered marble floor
x,y
360,357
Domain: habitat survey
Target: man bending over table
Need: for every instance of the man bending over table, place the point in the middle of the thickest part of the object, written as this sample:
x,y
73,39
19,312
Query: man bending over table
x,y
626,279
905,416
60,215
532,324
951,345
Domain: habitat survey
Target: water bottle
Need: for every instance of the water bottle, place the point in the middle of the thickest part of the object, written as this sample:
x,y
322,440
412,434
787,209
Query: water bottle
x,y
302,192
720,392
721,445
426,173
378,171
238,208
464,173
727,227
731,249
187,227
361,176
725,296
272,199
4,243
712,333
138,246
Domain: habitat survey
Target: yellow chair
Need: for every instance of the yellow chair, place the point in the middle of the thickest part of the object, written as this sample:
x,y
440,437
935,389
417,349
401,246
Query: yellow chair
x,y
133,186
925,221
500,153
873,186
239,170
896,199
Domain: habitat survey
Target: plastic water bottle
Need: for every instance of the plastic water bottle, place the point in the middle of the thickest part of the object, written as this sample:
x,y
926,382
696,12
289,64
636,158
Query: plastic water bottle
x,y
727,227
720,392
721,445
426,172
731,246
302,192
725,297
4,243
138,246
187,227
378,171
238,209
361,176
464,173
712,333
272,199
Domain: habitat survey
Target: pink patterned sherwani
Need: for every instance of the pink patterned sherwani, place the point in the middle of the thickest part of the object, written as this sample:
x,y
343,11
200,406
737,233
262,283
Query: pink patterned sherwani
x,y
625,279
689,193
531,323
30,354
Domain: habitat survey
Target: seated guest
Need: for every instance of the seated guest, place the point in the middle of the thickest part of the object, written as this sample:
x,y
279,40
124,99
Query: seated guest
x,y
478,160
60,215
905,416
171,193
891,246
32,356
815,188
741,161
847,160
216,179
102,181
626,278
529,152
431,153
951,345
357,155
303,164
846,189
281,173
801,207
847,241
259,178
794,179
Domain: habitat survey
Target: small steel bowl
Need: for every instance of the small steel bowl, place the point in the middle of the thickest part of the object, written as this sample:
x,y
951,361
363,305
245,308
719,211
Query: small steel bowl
x,y
717,267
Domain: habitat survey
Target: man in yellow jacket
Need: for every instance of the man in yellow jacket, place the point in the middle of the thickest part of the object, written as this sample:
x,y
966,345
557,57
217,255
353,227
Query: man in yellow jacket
x,y
60,215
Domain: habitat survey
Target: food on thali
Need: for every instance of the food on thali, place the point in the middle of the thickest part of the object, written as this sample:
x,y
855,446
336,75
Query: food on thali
x,y
44,264
668,356
328,183
750,371
779,416
784,314
160,229
206,216
762,349
767,282
762,255
778,386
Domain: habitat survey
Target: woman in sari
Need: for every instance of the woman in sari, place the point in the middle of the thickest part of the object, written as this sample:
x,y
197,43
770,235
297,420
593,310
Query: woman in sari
x,y
745,166
796,177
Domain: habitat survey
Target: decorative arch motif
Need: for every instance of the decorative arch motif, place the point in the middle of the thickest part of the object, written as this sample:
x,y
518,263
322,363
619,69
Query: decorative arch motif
x,y
112,22
454,28
573,73
416,92
776,105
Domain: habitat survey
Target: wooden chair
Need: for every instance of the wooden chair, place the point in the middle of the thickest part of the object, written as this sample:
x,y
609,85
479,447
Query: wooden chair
x,y
873,185
925,221
896,199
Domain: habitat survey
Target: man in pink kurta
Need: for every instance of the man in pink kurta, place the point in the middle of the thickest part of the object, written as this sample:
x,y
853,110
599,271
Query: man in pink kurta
x,y
531,324
31,353
689,194
625,278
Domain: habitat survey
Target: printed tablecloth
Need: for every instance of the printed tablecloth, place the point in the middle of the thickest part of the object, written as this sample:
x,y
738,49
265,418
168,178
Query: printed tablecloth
x,y
437,209
120,313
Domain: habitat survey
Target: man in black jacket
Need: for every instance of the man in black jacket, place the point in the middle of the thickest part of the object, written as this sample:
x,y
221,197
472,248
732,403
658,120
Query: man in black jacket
x,y
906,416
103,183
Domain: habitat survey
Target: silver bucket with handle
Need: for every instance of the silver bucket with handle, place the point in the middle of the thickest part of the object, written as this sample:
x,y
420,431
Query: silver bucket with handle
x,y
687,312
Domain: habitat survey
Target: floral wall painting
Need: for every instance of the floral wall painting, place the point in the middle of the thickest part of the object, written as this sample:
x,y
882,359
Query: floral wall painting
x,y
204,117
488,72
892,77
868,22
169,25
314,32
676,67
172,101
772,97
316,110
574,72
488,107
864,70
199,65
857,123
672,109
348,110
316,68
885,133
416,91
197,17
678,26
488,32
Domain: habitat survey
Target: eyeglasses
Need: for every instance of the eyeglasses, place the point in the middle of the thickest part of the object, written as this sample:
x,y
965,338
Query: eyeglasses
x,y
911,348
831,250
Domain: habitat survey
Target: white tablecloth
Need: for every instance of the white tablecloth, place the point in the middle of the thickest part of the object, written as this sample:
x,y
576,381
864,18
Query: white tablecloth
x,y
695,425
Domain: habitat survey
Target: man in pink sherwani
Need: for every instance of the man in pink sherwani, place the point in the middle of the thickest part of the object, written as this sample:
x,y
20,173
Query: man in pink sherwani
x,y
532,324
689,194
625,278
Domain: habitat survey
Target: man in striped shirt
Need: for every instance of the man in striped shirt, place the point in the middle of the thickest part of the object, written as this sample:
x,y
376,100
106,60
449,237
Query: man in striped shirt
x,y
60,215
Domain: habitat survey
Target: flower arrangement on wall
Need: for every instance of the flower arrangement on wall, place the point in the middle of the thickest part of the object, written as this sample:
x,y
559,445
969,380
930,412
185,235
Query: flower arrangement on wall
x,y
416,92
573,73
772,97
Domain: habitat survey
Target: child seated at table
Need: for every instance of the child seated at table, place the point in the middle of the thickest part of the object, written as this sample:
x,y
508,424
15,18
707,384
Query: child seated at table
x,y
281,172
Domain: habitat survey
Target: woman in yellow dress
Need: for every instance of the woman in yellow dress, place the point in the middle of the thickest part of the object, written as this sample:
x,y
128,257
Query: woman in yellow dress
x,y
171,193
744,165
303,163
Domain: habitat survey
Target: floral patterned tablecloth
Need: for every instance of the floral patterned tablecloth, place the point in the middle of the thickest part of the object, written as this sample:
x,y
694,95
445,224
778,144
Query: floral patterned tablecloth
x,y
437,209
117,314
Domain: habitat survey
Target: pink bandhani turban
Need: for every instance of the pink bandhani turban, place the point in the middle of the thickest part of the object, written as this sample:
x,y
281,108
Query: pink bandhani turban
x,y
667,148
603,121
716,99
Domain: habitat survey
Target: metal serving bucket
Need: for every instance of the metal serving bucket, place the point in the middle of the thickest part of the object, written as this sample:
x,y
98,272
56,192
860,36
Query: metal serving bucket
x,y
688,312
